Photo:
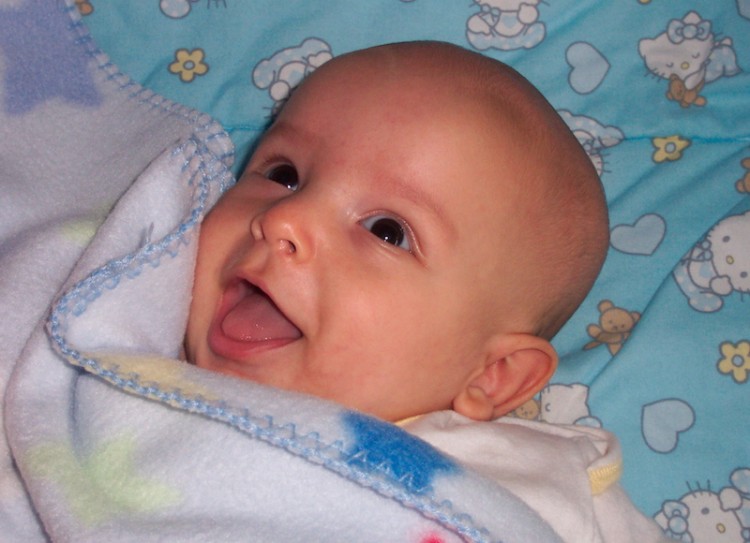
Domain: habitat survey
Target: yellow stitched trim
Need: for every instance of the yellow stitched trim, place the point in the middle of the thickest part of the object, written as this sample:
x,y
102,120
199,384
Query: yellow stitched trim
x,y
604,477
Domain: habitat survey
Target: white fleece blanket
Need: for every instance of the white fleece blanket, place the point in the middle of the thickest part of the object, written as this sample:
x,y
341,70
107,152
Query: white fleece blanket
x,y
108,436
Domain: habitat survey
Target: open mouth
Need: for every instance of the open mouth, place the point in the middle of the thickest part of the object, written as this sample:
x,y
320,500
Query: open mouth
x,y
248,318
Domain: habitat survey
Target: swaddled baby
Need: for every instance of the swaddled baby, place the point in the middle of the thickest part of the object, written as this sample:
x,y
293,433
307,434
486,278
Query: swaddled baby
x,y
411,231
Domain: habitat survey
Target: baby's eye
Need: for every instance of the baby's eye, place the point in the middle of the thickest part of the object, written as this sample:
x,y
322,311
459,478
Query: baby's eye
x,y
285,175
388,229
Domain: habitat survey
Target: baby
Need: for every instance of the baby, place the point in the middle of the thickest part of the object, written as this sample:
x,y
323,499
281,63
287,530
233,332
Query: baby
x,y
409,234
414,227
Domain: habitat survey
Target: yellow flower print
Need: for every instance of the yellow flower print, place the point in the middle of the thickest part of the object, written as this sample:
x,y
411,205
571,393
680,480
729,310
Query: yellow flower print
x,y
188,64
735,360
669,148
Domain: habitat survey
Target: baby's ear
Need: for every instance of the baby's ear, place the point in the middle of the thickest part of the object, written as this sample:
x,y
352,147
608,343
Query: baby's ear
x,y
517,366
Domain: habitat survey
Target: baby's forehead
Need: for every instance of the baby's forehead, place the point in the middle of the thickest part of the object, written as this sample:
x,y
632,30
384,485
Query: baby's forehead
x,y
433,68
426,97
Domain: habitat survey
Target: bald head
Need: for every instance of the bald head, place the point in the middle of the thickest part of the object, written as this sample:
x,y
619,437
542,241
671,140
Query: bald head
x,y
559,227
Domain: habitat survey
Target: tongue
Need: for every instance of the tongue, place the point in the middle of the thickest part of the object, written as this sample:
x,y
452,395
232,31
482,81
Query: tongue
x,y
256,318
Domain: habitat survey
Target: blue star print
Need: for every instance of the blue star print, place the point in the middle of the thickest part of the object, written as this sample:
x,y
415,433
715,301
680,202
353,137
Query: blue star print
x,y
381,446
42,59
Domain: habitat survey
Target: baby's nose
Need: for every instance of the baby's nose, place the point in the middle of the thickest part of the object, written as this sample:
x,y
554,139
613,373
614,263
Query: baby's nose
x,y
284,228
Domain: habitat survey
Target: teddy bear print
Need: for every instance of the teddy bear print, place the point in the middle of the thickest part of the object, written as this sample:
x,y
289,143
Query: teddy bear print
x,y
527,411
614,328
680,93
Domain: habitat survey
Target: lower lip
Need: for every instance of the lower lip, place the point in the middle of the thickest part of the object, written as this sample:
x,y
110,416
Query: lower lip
x,y
240,351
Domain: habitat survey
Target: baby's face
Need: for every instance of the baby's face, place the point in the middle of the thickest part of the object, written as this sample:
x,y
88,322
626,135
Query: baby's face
x,y
356,257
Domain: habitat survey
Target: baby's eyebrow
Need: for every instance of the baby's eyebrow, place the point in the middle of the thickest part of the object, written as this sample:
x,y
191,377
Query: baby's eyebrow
x,y
284,129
